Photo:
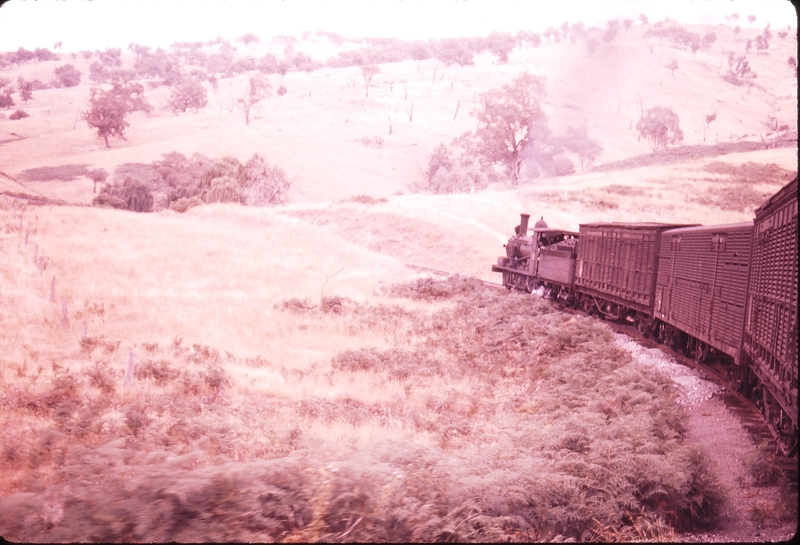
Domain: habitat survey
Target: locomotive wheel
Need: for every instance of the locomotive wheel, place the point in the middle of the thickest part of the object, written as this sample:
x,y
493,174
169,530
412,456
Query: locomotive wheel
x,y
530,284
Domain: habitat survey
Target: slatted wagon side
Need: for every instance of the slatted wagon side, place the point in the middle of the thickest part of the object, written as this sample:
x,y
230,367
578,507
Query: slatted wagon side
x,y
770,327
701,284
617,262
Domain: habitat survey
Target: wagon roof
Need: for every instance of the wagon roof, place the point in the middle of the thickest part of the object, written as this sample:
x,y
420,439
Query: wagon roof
x,y
742,226
552,230
639,225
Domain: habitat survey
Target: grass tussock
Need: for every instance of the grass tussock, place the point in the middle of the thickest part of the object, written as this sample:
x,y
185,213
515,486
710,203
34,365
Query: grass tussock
x,y
496,418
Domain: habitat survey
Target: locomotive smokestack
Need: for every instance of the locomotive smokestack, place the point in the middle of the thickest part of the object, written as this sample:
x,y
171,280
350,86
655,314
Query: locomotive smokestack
x,y
523,224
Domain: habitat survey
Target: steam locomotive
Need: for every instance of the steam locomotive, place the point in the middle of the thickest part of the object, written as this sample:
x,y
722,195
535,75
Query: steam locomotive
x,y
725,295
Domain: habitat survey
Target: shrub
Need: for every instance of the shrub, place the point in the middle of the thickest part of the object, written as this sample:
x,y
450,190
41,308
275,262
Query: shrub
x,y
224,189
107,200
763,470
263,184
183,204
458,179
281,91
132,194
19,114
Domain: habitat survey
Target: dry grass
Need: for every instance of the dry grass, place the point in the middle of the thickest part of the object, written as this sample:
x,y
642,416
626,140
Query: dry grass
x,y
442,410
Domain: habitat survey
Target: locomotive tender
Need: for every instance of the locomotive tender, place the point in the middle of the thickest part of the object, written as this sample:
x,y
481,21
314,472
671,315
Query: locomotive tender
x,y
725,295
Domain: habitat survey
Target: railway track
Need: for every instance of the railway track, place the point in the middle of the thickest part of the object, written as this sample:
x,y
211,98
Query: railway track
x,y
750,417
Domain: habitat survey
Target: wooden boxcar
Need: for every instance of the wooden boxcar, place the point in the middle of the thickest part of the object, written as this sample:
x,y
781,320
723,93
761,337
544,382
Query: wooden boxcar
x,y
770,326
617,262
701,283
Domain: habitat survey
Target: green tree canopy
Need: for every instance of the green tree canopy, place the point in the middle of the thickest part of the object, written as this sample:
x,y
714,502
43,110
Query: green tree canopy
x,y
661,127
108,109
505,117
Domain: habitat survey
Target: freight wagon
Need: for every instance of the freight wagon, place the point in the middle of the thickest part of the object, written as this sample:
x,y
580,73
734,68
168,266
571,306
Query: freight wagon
x,y
701,286
616,267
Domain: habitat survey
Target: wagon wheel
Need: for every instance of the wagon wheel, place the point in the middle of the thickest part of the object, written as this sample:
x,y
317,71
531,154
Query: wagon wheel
x,y
701,352
644,326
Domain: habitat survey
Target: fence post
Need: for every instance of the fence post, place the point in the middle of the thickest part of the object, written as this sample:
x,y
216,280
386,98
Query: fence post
x,y
64,321
27,233
129,370
53,289
35,253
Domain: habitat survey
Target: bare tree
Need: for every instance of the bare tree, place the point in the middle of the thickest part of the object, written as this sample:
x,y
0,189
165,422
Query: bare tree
x,y
260,88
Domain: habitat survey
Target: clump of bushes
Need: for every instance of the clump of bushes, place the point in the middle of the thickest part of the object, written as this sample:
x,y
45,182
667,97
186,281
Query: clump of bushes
x,y
181,183
448,174
19,114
